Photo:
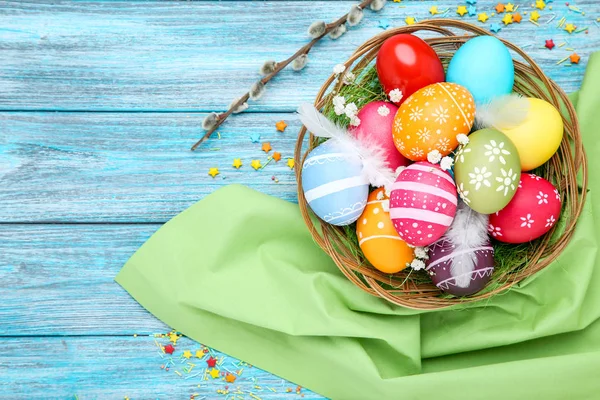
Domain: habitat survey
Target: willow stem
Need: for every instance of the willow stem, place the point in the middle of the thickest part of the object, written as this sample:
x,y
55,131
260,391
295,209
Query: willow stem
x,y
281,65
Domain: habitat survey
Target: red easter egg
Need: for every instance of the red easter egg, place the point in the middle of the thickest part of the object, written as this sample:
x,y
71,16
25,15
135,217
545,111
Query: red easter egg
x,y
407,63
533,211
376,119
422,203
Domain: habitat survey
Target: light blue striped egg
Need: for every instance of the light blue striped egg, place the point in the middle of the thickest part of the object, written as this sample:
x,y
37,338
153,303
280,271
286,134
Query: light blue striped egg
x,y
333,184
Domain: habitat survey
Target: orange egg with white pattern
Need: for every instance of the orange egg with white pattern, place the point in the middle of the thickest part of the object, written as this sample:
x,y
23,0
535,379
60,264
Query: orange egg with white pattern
x,y
431,118
378,238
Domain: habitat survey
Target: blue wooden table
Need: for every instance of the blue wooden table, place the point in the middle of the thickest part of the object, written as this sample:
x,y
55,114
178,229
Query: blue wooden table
x,y
99,104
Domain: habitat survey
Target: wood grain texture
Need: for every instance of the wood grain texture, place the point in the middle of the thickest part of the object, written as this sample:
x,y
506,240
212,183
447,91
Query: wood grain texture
x,y
198,56
113,167
124,367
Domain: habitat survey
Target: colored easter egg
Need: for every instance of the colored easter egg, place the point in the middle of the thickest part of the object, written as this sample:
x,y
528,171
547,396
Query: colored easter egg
x,y
376,119
443,264
484,66
422,203
378,239
333,184
539,136
407,63
487,170
532,212
431,118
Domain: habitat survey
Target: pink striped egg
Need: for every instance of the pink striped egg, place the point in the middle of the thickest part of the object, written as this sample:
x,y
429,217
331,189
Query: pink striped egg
x,y
422,203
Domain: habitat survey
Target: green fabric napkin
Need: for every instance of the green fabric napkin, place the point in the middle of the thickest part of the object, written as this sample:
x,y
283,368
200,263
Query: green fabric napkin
x,y
239,271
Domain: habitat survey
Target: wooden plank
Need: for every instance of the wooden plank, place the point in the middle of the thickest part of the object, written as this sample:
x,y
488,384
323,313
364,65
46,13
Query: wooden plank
x,y
130,167
124,367
198,56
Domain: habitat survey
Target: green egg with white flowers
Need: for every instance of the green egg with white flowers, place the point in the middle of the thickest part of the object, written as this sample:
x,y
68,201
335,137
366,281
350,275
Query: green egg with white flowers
x,y
487,171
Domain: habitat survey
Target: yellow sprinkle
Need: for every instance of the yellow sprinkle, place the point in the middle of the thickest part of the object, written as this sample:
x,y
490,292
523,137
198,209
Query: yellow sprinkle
x,y
254,397
562,61
569,48
533,22
178,373
271,389
562,44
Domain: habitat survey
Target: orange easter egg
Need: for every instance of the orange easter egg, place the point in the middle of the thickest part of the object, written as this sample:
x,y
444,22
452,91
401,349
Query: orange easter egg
x,y
378,238
431,118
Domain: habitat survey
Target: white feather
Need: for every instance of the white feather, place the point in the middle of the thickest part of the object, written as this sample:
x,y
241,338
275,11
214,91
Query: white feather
x,y
503,112
375,168
468,231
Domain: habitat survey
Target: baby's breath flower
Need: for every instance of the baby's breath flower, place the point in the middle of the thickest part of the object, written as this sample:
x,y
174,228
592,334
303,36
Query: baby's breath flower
x,y
434,156
446,163
421,252
417,264
396,95
462,138
354,121
349,78
339,68
351,110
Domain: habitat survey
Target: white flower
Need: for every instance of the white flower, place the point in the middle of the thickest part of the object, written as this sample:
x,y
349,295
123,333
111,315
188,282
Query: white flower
x,y
462,138
396,95
441,115
397,124
416,152
446,163
351,110
550,221
479,177
534,176
443,144
434,156
339,104
495,231
557,194
416,114
399,144
496,150
461,153
383,111
462,192
421,252
527,221
355,121
507,181
542,198
339,68
423,134
349,78
429,91
417,264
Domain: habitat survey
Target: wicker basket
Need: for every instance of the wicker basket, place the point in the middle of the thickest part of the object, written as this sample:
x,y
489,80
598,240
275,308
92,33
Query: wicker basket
x,y
562,170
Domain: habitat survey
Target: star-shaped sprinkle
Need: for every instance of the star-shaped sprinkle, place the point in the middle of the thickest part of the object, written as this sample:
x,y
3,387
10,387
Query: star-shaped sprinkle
x,y
472,11
534,16
495,28
187,354
409,20
256,164
482,17
266,147
211,362
471,1
229,378
574,58
540,4
509,7
237,163
199,354
214,373
499,8
570,28
549,44
213,172
517,18
290,163
169,349
461,10
433,10
507,19
397,1
173,337
384,23
255,137
280,125
276,156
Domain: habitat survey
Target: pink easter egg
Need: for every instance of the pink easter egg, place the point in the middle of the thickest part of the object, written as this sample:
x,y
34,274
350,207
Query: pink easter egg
x,y
422,203
376,119
532,212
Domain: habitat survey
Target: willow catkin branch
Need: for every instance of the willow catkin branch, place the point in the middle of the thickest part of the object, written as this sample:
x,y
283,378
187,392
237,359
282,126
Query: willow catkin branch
x,y
279,66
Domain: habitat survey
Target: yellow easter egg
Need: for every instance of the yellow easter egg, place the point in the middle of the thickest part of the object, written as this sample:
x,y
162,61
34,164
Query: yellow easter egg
x,y
378,238
539,136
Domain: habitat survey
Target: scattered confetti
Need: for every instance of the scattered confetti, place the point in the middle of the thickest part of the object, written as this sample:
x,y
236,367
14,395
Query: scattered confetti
x,y
213,172
211,362
214,373
169,349
495,28
499,8
574,58
173,337
517,18
281,125
290,163
410,20
433,10
461,10
471,2
507,19
540,4
472,10
255,137
509,7
187,354
534,16
230,378
199,354
482,17
549,44
266,147
384,23
276,156
570,28
256,164
237,163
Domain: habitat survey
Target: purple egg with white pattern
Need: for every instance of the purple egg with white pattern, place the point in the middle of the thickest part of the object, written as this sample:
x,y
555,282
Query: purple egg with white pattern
x,y
463,272
422,203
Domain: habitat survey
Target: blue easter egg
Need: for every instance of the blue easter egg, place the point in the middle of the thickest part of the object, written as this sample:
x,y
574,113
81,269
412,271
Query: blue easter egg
x,y
333,184
484,66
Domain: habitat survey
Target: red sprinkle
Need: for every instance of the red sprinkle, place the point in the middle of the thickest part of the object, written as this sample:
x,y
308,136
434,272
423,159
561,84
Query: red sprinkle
x,y
169,349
